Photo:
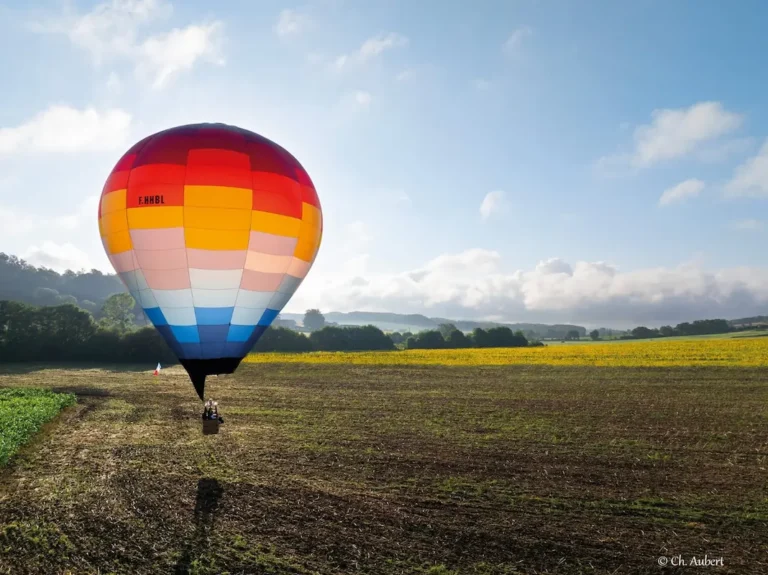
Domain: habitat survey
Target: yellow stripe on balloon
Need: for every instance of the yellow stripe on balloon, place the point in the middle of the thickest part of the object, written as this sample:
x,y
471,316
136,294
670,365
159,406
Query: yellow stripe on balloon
x,y
309,240
275,224
156,217
113,201
201,239
310,214
217,218
113,222
118,242
218,197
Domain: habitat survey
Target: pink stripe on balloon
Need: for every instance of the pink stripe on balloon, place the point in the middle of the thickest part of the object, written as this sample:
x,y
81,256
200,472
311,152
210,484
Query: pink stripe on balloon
x,y
158,239
167,279
216,259
299,268
162,259
260,281
272,244
267,263
123,262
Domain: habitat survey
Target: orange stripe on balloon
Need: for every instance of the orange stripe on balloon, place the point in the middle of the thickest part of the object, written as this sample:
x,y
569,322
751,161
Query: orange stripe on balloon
x,y
260,281
158,239
123,261
216,259
267,263
167,279
172,259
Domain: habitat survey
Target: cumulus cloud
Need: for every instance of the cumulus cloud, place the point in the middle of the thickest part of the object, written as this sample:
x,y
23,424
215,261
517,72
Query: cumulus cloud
x,y
164,56
751,177
676,133
492,203
682,191
363,98
59,257
747,225
474,284
370,49
66,129
514,43
291,22
110,31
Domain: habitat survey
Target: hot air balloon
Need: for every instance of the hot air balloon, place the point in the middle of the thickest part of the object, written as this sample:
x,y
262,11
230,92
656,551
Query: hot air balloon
x,y
211,228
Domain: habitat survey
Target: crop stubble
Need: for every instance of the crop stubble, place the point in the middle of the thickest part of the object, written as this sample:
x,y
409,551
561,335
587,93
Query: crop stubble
x,y
393,469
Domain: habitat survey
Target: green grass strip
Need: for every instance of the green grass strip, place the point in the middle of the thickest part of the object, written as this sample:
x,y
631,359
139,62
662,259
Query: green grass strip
x,y
23,412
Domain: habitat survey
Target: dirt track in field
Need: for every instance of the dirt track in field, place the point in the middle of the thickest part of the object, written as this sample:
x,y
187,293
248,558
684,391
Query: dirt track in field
x,y
383,470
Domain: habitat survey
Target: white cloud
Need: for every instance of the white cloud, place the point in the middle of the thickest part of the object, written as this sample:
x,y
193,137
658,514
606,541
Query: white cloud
x,y
371,48
751,178
473,284
110,31
492,203
291,22
514,43
114,83
59,257
66,129
684,190
747,225
164,56
482,85
405,75
14,222
676,133
363,98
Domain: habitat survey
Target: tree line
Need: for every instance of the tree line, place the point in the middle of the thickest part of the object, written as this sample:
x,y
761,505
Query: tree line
x,y
69,333
698,327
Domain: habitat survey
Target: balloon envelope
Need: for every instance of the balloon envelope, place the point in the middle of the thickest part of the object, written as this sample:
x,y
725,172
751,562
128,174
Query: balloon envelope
x,y
212,228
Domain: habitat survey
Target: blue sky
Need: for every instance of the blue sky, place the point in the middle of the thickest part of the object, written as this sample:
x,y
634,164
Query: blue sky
x,y
506,161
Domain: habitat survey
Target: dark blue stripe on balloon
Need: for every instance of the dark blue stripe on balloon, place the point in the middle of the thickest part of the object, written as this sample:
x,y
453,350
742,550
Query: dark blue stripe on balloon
x,y
213,333
239,333
213,315
186,333
156,316
268,317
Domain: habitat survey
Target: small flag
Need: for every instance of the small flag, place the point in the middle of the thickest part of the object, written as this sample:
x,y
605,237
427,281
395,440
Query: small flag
x,y
157,370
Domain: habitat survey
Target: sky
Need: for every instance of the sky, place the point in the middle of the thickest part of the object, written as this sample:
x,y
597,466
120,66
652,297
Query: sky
x,y
597,162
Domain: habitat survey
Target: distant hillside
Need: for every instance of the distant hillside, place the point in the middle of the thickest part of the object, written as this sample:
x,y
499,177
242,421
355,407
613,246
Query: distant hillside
x,y
758,320
20,281
417,322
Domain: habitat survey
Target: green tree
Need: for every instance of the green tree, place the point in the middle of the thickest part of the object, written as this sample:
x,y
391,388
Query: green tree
x,y
457,340
594,334
666,331
314,320
117,312
573,335
446,329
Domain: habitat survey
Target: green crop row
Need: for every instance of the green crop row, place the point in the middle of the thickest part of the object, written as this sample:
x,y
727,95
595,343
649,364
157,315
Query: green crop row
x,y
23,412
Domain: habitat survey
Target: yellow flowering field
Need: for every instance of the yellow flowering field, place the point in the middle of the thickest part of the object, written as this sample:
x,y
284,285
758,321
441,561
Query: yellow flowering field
x,y
727,352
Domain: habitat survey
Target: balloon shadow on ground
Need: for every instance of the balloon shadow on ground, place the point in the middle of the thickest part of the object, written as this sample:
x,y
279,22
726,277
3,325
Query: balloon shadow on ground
x,y
209,492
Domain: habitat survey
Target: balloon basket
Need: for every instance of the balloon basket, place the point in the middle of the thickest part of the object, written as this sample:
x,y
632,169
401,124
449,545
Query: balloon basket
x,y
210,426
